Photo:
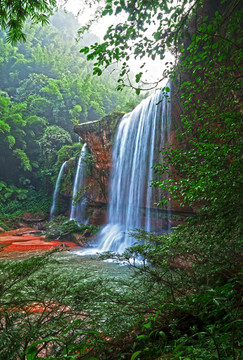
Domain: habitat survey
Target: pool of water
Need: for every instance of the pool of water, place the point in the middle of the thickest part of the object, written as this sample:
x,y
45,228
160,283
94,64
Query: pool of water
x,y
93,265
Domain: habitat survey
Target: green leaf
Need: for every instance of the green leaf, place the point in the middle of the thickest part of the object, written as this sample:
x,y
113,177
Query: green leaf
x,y
135,355
138,77
85,50
97,71
11,141
4,127
141,336
31,354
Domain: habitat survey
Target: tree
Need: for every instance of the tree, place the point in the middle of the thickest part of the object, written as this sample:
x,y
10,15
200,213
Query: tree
x,y
199,262
133,38
14,13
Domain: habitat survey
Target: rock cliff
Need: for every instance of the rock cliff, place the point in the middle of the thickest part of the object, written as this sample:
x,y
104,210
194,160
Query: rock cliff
x,y
98,135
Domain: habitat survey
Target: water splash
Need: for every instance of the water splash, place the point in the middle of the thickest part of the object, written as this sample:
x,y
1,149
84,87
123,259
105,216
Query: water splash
x,y
139,137
56,191
78,210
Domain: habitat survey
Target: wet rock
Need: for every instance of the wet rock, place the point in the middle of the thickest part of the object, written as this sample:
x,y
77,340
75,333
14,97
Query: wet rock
x,y
104,127
98,217
39,225
87,233
22,225
19,232
78,239
33,218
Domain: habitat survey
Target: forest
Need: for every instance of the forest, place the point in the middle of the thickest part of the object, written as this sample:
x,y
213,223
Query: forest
x,y
176,294
46,88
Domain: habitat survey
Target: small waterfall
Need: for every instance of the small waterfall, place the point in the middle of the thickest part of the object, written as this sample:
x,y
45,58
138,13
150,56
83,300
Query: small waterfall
x,y
55,194
78,210
139,137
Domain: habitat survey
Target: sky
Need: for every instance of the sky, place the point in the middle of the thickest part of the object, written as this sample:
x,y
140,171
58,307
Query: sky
x,y
153,69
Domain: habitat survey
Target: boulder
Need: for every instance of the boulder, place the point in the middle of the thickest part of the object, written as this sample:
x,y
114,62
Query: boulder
x,y
32,218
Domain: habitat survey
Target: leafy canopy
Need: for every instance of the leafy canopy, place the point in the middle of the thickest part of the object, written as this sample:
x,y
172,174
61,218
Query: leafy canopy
x,y
14,13
147,29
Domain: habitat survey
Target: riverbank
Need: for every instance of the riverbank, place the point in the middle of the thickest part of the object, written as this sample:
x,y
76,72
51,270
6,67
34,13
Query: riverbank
x,y
26,242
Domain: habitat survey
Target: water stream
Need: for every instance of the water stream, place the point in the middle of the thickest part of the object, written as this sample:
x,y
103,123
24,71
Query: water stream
x,y
56,191
139,137
78,209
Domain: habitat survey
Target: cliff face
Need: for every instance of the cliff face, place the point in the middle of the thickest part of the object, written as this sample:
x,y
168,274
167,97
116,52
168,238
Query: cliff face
x,y
98,135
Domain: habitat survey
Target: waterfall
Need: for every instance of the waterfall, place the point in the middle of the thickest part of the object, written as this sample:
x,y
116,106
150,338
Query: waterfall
x,y
139,137
55,194
78,210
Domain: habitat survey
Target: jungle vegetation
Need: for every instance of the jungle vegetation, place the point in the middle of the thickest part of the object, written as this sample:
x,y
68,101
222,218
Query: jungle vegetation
x,y
184,301
46,86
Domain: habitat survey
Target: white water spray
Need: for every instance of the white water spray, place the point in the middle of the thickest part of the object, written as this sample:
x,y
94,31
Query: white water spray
x,y
78,210
56,191
140,136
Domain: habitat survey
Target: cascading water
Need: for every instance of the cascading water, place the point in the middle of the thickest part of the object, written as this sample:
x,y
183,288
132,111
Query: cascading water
x,y
55,194
78,210
139,137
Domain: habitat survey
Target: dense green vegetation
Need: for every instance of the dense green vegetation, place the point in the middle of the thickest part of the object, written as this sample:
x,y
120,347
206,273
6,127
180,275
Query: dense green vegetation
x,y
46,87
184,299
61,228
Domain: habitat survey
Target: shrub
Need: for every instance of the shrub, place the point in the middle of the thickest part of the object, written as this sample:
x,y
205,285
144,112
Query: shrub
x,y
60,227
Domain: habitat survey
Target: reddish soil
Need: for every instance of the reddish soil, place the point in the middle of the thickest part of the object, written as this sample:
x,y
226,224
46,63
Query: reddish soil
x,y
21,241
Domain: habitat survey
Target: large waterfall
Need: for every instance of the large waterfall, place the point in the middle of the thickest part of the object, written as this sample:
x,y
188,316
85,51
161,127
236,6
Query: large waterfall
x,y
78,209
139,137
55,194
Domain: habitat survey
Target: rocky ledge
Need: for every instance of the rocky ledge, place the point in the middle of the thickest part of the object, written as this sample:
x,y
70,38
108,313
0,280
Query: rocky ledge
x,y
104,128
23,243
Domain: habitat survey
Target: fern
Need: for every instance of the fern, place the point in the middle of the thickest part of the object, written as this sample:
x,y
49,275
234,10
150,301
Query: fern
x,y
24,160
4,127
11,141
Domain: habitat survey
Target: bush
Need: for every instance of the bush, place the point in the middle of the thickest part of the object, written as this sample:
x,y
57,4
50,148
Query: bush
x,y
34,202
60,228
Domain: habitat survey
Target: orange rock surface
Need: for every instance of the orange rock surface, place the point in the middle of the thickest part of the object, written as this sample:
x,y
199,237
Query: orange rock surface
x,y
12,241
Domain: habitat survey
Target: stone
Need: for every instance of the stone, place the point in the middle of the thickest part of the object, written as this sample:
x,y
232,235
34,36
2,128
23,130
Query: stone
x,y
31,218
87,233
98,217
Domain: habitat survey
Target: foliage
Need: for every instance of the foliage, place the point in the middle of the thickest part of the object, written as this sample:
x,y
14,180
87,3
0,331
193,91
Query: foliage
x,y
25,163
67,152
11,193
28,317
160,310
132,38
52,140
81,194
193,274
61,228
193,295
45,85
14,14
183,301
14,202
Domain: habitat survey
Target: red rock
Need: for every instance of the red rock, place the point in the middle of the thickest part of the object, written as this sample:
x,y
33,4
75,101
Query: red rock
x,y
36,245
40,307
98,217
9,239
18,231
29,242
